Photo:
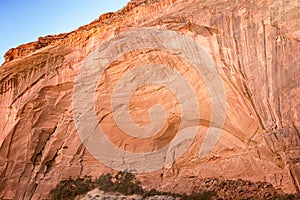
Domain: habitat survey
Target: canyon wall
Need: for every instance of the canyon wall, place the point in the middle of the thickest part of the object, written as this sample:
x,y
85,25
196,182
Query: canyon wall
x,y
253,45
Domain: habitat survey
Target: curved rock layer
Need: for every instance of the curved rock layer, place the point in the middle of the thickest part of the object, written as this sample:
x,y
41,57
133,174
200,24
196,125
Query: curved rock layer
x,y
255,47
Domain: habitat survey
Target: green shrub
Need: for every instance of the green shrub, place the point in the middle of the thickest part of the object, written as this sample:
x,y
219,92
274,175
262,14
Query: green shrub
x,y
69,189
200,196
126,183
104,182
286,197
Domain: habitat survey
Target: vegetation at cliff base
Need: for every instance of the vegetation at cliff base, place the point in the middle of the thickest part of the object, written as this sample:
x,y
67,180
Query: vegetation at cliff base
x,y
123,182
126,183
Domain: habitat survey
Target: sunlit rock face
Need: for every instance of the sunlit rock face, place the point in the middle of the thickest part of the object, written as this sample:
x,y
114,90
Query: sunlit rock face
x,y
254,48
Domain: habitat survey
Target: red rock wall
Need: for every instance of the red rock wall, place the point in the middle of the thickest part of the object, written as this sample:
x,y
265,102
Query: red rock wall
x,y
255,48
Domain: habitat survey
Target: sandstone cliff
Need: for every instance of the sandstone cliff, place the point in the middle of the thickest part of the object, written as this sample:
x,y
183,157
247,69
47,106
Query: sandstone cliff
x,y
255,47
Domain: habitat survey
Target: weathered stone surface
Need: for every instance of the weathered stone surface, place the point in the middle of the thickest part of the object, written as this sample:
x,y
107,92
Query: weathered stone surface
x,y
26,49
255,48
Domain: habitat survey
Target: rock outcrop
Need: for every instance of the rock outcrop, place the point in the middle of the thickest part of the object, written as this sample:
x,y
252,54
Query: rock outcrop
x,y
254,46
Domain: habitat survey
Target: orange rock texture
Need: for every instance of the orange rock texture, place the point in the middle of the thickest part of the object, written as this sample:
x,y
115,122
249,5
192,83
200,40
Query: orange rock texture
x,y
254,46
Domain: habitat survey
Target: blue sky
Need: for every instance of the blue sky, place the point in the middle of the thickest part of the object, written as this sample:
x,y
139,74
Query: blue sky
x,y
23,21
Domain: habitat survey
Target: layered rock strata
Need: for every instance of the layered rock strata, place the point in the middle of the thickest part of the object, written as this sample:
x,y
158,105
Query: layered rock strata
x,y
255,48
